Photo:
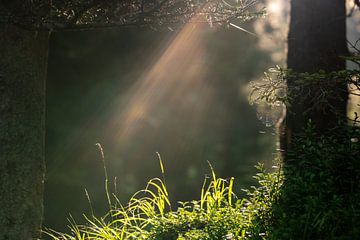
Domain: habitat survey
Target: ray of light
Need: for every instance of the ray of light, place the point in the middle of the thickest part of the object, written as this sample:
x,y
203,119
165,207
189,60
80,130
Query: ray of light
x,y
174,86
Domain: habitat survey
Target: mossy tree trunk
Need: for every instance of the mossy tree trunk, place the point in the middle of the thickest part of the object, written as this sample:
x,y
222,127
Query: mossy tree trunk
x,y
23,64
316,41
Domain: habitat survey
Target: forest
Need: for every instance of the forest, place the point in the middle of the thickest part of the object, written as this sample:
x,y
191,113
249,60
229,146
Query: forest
x,y
179,119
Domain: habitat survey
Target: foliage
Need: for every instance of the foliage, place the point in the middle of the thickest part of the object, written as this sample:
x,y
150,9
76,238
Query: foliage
x,y
280,86
88,14
275,90
219,214
320,192
319,198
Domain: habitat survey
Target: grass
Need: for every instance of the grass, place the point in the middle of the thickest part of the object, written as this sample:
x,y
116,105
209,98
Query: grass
x,y
218,214
315,196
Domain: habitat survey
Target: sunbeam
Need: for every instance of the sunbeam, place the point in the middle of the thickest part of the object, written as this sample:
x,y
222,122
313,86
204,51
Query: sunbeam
x,y
173,86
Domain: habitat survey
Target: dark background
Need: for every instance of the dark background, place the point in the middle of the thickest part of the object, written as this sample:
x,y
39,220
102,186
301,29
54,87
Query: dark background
x,y
93,80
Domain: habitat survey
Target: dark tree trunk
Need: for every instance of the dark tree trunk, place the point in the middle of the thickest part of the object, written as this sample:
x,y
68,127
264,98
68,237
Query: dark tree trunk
x,y
23,64
316,40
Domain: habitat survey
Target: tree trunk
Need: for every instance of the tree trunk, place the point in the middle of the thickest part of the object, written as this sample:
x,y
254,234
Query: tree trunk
x,y
23,66
316,40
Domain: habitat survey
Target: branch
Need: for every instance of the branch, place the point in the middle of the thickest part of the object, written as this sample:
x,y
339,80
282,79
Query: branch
x,y
111,14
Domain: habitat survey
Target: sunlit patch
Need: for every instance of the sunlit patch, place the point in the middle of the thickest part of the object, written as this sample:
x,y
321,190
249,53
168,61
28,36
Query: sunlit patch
x,y
353,108
273,29
275,7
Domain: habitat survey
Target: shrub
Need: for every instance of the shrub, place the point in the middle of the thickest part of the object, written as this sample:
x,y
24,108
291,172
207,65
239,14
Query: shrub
x,y
320,195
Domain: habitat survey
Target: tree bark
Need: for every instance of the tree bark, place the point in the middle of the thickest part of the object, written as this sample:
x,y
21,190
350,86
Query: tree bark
x,y
23,66
316,41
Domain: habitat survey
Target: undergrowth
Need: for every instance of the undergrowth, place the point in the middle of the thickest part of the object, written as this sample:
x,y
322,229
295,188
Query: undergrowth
x,y
315,195
320,194
218,214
